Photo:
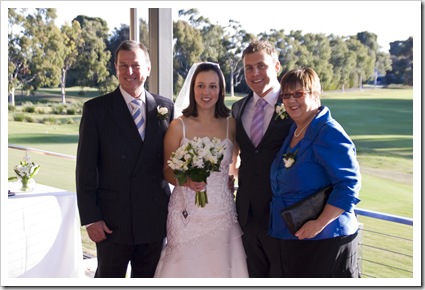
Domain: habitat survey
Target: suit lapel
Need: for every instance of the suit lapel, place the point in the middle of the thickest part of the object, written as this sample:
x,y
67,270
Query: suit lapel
x,y
151,115
151,130
239,117
121,115
274,121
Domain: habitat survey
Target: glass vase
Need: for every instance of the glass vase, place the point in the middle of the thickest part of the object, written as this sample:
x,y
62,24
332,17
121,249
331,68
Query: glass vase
x,y
27,184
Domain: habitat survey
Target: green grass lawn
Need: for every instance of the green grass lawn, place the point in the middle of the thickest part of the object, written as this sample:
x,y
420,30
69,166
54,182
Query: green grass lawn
x,y
380,122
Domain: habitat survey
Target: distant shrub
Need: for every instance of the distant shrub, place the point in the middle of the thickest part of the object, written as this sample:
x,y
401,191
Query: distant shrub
x,y
58,109
41,111
28,107
11,108
70,121
71,110
30,119
74,108
20,117
48,120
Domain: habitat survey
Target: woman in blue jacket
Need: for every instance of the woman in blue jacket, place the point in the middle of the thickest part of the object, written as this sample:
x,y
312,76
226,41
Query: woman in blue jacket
x,y
316,154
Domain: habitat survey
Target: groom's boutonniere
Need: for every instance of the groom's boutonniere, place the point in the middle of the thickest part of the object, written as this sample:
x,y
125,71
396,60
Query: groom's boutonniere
x,y
280,111
162,113
289,159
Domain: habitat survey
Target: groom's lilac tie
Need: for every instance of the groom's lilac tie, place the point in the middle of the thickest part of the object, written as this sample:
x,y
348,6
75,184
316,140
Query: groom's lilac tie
x,y
138,117
257,122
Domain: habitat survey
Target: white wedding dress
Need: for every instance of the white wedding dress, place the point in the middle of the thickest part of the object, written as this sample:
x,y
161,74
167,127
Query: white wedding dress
x,y
207,243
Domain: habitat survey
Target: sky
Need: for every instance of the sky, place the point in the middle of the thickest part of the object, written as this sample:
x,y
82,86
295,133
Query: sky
x,y
389,20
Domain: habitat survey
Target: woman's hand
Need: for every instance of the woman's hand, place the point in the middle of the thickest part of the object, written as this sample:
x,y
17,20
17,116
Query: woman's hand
x,y
309,230
314,227
195,186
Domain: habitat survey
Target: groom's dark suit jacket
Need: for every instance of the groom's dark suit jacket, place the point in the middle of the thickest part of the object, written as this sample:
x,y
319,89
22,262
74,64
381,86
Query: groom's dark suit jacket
x,y
254,191
119,176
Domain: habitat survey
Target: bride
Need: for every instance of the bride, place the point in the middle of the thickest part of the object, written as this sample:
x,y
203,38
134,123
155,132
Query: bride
x,y
202,242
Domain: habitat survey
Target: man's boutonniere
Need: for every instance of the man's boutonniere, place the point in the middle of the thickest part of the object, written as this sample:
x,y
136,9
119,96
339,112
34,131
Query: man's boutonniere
x,y
162,113
280,111
289,159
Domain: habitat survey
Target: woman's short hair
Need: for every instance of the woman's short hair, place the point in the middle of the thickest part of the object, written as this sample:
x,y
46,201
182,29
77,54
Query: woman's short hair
x,y
305,76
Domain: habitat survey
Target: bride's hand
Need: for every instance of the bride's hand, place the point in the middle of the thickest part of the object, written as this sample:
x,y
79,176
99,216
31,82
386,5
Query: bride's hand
x,y
195,186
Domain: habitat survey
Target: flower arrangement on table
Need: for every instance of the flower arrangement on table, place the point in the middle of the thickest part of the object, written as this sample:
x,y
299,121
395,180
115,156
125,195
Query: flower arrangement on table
x,y
196,160
25,170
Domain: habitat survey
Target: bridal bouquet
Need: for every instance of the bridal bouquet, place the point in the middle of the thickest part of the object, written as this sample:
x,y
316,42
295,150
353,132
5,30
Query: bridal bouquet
x,y
197,159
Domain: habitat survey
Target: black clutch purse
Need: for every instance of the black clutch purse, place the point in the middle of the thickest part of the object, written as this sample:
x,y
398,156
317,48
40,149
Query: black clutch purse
x,y
304,210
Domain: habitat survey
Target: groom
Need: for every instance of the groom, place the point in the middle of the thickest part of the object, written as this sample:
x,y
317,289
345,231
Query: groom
x,y
261,65
121,192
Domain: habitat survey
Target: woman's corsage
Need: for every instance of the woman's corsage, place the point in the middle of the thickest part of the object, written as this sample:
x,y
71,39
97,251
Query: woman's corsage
x,y
289,159
162,113
280,111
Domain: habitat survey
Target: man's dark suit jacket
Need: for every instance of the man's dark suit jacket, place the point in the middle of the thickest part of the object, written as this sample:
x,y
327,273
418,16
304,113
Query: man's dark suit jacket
x,y
119,176
254,190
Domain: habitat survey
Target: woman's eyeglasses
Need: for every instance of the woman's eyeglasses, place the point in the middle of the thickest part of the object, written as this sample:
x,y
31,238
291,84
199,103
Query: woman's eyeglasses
x,y
295,95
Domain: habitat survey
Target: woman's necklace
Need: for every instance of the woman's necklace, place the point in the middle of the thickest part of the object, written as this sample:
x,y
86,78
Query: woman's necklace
x,y
302,130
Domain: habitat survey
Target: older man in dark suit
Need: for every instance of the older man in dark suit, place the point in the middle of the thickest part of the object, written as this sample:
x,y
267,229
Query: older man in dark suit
x,y
260,132
121,192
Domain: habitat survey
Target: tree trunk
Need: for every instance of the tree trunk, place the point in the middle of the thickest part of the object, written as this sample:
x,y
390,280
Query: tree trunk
x,y
361,83
63,86
12,96
232,89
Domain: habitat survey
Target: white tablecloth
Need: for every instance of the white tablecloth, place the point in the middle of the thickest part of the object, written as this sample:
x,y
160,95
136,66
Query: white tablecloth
x,y
44,239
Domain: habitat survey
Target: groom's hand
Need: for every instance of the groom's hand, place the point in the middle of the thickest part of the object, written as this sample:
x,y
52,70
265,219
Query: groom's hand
x,y
231,183
97,230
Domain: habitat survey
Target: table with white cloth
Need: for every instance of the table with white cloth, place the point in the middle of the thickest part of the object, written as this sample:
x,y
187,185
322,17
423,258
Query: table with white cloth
x,y
44,239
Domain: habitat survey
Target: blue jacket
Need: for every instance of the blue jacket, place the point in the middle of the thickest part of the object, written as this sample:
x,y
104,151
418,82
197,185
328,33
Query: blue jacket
x,y
326,155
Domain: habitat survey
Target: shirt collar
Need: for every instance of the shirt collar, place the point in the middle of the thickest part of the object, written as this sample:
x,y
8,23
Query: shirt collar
x,y
271,96
128,98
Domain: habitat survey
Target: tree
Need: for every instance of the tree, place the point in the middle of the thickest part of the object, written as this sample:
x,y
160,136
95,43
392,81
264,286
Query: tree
x,y
73,43
401,53
370,40
343,62
18,54
382,65
92,64
363,69
188,48
319,49
45,42
234,42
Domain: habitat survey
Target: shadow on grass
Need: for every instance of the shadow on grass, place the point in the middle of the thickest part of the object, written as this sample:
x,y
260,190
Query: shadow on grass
x,y
373,116
391,147
43,139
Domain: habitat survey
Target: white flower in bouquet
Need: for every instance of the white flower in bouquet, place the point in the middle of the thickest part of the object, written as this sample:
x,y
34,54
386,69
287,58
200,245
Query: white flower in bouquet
x,y
197,159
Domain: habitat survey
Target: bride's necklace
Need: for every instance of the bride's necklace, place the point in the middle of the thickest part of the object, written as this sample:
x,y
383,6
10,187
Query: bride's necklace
x,y
302,130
